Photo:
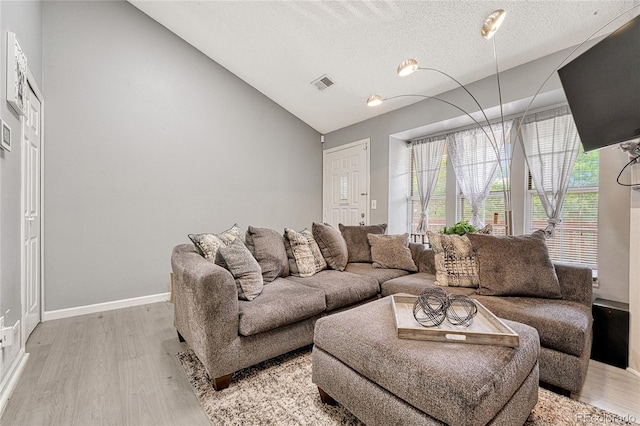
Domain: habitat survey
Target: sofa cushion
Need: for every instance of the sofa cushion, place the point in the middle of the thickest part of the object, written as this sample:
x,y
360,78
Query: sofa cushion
x,y
424,257
357,241
209,244
281,303
332,245
563,326
415,283
515,266
379,274
341,288
267,246
305,257
455,261
391,252
244,268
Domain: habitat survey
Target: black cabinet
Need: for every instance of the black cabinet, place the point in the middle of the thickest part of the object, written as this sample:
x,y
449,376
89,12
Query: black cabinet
x,y
610,333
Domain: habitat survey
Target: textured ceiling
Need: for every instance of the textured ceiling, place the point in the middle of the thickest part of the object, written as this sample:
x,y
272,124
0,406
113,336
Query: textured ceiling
x,y
280,47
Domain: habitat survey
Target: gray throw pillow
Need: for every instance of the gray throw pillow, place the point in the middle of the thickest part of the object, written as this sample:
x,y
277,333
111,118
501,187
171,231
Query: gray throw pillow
x,y
392,252
209,244
267,246
244,268
358,245
332,245
305,258
455,261
515,266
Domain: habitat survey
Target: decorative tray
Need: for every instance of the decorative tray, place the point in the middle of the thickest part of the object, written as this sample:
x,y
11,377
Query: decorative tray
x,y
486,328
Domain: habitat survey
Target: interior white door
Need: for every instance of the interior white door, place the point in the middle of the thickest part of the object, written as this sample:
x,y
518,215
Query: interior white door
x,y
31,152
346,184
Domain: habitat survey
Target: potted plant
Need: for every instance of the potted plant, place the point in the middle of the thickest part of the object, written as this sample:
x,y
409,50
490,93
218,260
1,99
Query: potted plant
x,y
459,228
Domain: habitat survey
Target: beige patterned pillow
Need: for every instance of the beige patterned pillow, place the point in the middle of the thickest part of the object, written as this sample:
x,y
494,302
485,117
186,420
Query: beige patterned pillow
x,y
391,251
455,260
305,257
209,244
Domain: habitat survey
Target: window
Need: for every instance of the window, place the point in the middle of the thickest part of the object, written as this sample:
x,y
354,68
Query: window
x,y
436,212
576,237
494,203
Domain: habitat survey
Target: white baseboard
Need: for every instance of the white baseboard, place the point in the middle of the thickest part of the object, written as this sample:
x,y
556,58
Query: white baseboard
x,y
106,306
12,378
634,372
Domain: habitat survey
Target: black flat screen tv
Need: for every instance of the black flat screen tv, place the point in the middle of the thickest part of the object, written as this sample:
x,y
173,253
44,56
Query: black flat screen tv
x,y
602,86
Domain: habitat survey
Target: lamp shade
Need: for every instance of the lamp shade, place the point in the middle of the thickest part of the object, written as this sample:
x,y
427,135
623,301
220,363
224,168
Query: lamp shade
x,y
492,23
408,66
374,100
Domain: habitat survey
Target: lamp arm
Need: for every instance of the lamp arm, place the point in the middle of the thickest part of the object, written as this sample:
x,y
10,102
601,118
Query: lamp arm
x,y
468,92
491,140
455,106
494,140
562,63
506,193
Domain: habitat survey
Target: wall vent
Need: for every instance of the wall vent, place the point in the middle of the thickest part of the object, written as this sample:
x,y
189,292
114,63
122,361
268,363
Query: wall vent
x,y
323,82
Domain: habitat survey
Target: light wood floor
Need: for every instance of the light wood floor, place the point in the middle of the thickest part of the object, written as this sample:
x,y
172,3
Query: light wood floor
x,y
119,368
112,368
612,389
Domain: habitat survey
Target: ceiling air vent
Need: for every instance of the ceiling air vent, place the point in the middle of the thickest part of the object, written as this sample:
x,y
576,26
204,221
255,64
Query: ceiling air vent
x,y
323,82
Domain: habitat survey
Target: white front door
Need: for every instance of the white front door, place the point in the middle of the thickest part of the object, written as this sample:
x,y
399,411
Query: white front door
x,y
32,132
346,184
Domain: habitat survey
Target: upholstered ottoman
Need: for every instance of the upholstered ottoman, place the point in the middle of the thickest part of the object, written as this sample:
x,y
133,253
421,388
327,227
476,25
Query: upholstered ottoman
x,y
359,361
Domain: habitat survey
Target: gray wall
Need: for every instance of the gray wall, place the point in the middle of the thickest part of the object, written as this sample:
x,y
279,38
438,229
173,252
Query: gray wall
x,y
23,19
517,83
148,140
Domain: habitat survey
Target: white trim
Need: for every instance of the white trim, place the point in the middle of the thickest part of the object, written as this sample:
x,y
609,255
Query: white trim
x,y
31,81
367,146
347,146
634,372
106,306
23,285
11,380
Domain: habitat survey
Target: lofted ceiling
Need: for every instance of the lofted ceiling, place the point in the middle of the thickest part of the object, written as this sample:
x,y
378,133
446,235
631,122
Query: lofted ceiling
x,y
280,47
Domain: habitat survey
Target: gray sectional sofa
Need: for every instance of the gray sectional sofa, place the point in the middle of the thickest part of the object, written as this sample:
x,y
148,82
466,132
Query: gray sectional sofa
x,y
228,334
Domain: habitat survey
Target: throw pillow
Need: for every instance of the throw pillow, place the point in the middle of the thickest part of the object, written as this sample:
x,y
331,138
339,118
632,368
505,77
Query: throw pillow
x,y
267,246
392,252
244,268
358,245
332,245
515,266
209,244
488,229
305,258
456,263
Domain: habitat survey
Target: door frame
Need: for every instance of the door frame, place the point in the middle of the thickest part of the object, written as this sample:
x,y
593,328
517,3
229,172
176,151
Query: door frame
x,y
31,81
367,144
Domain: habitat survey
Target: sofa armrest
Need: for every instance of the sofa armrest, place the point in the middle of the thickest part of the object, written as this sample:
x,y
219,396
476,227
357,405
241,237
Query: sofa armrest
x,y
206,309
423,257
576,283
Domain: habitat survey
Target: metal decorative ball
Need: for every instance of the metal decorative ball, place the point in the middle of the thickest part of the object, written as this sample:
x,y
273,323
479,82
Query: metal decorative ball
x,y
430,308
461,310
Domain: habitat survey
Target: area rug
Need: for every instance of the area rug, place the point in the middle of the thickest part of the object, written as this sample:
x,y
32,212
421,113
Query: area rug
x,y
280,392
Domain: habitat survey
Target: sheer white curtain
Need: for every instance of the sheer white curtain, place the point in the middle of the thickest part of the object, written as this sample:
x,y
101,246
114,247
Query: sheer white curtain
x,y
475,156
551,142
427,157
